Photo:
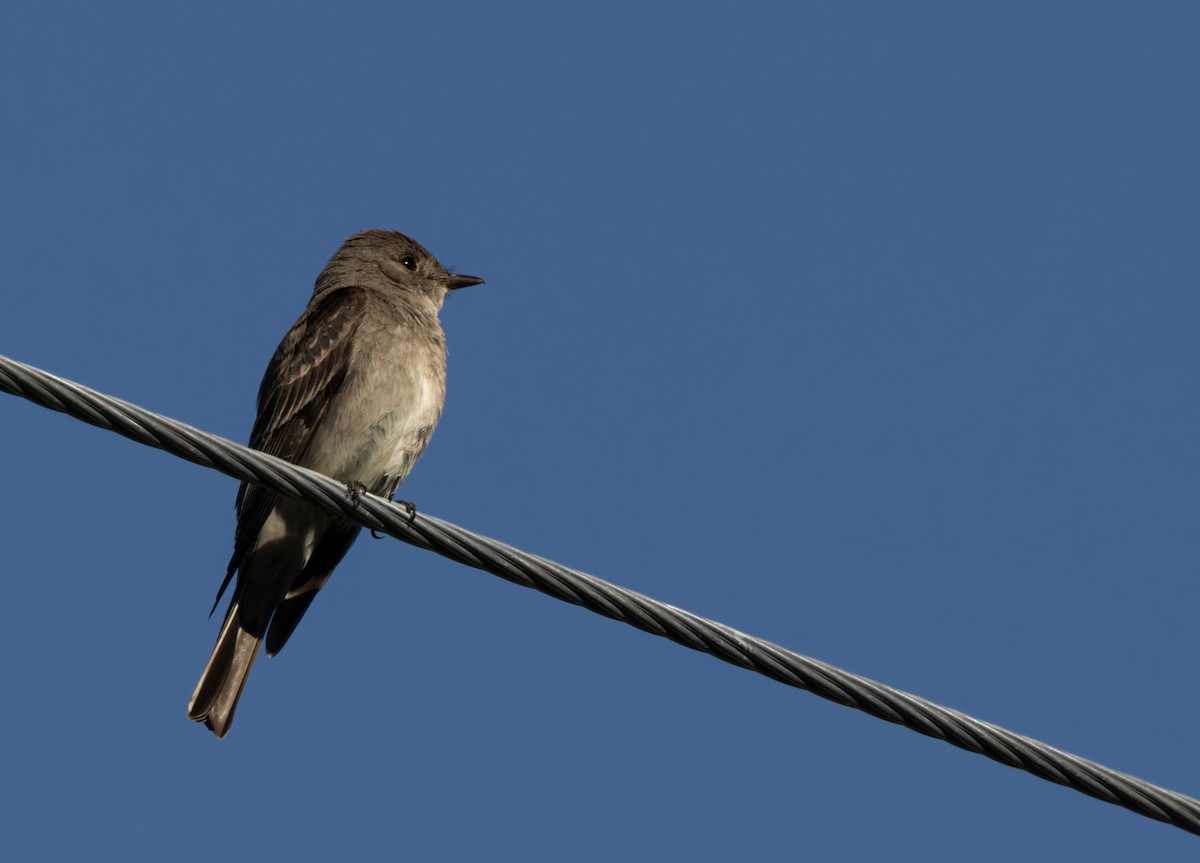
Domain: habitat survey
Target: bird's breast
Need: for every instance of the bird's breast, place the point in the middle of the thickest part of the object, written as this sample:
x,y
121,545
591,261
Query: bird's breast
x,y
380,424
400,435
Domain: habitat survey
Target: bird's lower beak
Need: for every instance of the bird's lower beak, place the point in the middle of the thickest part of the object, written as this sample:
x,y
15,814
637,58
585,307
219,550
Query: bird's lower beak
x,y
455,282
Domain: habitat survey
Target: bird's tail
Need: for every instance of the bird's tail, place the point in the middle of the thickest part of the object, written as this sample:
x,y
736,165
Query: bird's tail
x,y
224,678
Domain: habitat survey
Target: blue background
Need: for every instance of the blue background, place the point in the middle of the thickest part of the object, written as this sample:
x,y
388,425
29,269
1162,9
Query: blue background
x,y
869,328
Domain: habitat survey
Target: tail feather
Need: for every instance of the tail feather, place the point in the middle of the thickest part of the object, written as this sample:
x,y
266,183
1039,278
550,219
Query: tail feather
x,y
224,678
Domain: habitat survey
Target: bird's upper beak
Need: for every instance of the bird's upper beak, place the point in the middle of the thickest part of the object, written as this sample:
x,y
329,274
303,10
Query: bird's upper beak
x,y
454,282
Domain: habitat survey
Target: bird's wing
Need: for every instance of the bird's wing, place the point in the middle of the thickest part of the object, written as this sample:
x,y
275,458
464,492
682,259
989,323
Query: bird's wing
x,y
307,370
328,553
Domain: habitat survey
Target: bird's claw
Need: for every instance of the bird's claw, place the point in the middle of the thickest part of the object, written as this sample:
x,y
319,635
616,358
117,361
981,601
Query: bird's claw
x,y
410,506
412,515
355,490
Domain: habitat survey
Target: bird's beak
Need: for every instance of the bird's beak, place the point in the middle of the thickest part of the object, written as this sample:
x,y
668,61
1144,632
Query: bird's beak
x,y
454,282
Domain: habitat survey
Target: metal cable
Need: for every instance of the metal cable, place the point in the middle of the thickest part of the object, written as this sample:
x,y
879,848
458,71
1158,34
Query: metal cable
x,y
599,596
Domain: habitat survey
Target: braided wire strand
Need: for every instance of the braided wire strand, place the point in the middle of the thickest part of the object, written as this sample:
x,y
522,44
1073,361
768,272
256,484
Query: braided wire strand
x,y
601,597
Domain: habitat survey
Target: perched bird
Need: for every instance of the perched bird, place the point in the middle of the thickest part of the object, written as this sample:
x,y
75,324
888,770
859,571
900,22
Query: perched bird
x,y
354,391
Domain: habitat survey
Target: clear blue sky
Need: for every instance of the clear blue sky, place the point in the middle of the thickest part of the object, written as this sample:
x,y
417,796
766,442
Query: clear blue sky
x,y
869,328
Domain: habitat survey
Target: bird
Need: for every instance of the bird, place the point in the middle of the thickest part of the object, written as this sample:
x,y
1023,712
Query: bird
x,y
353,391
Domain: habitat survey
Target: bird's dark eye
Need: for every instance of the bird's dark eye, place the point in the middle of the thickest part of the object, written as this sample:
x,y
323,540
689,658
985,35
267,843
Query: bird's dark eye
x,y
409,261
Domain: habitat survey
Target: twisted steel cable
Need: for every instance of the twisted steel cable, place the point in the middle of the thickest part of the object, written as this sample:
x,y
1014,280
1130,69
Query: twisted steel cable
x,y
594,594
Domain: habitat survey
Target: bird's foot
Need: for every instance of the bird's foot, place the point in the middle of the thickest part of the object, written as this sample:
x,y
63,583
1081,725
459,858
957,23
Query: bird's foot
x,y
412,514
410,506
355,490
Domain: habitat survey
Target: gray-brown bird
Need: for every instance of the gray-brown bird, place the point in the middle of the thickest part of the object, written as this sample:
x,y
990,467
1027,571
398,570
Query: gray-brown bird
x,y
353,391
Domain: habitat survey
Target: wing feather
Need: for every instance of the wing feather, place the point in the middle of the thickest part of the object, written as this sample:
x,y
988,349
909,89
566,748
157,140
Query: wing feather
x,y
309,365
